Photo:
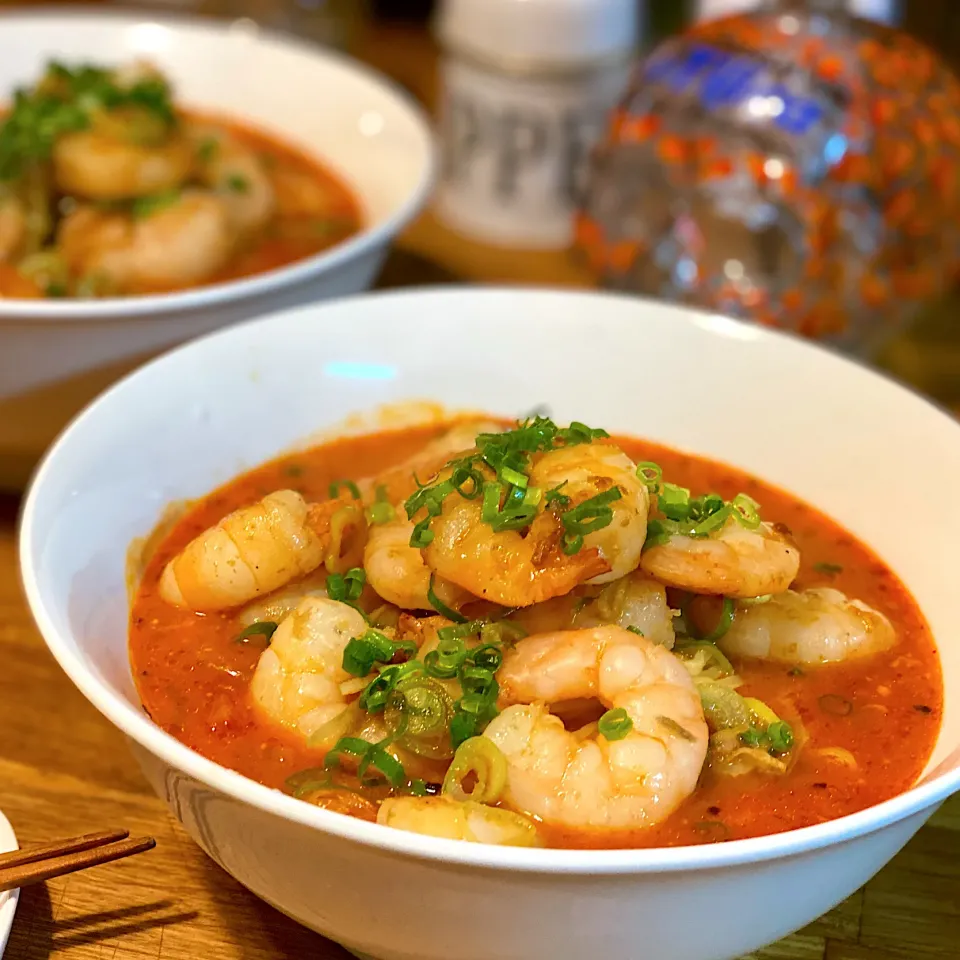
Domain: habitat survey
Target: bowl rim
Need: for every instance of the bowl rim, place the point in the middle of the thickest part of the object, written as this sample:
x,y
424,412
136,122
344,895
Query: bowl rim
x,y
137,726
145,306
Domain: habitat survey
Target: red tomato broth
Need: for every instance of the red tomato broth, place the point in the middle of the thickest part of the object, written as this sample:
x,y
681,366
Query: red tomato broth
x,y
193,677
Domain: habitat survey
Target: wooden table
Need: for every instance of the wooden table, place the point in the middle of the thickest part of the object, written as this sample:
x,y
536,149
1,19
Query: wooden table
x,y
64,770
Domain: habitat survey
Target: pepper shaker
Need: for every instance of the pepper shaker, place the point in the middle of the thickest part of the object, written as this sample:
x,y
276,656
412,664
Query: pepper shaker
x,y
526,89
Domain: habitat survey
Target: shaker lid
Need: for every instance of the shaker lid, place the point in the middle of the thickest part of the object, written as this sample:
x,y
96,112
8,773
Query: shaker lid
x,y
539,32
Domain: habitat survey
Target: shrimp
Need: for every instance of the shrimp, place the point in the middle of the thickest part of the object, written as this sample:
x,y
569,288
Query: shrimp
x,y
819,625
183,242
238,176
397,483
583,781
397,571
583,470
735,561
633,602
279,604
250,552
458,820
298,677
520,569
102,165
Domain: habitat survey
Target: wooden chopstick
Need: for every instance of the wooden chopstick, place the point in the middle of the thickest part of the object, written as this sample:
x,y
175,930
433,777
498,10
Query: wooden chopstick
x,y
20,868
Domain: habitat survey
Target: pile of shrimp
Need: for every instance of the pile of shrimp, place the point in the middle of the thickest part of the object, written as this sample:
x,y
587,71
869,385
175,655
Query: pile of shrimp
x,y
106,190
516,631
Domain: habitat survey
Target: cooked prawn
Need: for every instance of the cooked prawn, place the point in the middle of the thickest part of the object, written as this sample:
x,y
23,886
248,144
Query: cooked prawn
x,y
519,569
582,780
100,165
819,625
458,820
397,483
279,604
633,602
734,561
586,469
249,553
298,677
238,176
179,244
397,572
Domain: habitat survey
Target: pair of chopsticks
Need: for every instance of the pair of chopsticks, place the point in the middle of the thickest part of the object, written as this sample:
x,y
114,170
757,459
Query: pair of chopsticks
x,y
20,868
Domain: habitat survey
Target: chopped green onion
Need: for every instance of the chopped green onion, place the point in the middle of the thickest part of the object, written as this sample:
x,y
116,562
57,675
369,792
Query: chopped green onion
x,y
674,501
237,183
781,736
334,489
262,628
422,535
381,510
462,630
829,569
615,724
752,737
361,653
713,521
384,763
346,587
380,513
501,632
491,502
488,657
746,510
650,474
508,475
592,514
441,607
555,496
572,543
377,692
482,760
346,746
464,474
636,630
723,624
419,712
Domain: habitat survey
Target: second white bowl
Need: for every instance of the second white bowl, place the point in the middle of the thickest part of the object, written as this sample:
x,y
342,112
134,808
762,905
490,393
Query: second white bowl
x,y
55,355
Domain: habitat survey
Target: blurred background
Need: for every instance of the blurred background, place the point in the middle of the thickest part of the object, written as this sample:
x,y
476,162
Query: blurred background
x,y
444,245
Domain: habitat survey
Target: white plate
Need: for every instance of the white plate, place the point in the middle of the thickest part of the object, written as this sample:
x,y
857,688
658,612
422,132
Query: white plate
x,y
8,900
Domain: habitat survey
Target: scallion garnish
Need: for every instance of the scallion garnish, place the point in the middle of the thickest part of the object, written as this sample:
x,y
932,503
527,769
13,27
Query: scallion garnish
x,y
346,587
587,517
334,489
724,622
828,569
615,724
262,628
361,653
509,503
381,510
480,761
441,607
650,474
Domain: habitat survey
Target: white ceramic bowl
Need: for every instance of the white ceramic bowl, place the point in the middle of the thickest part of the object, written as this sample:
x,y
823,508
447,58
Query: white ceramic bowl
x,y
837,435
56,355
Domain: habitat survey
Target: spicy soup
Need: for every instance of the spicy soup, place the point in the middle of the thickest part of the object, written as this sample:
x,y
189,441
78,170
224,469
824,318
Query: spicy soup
x,y
867,726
